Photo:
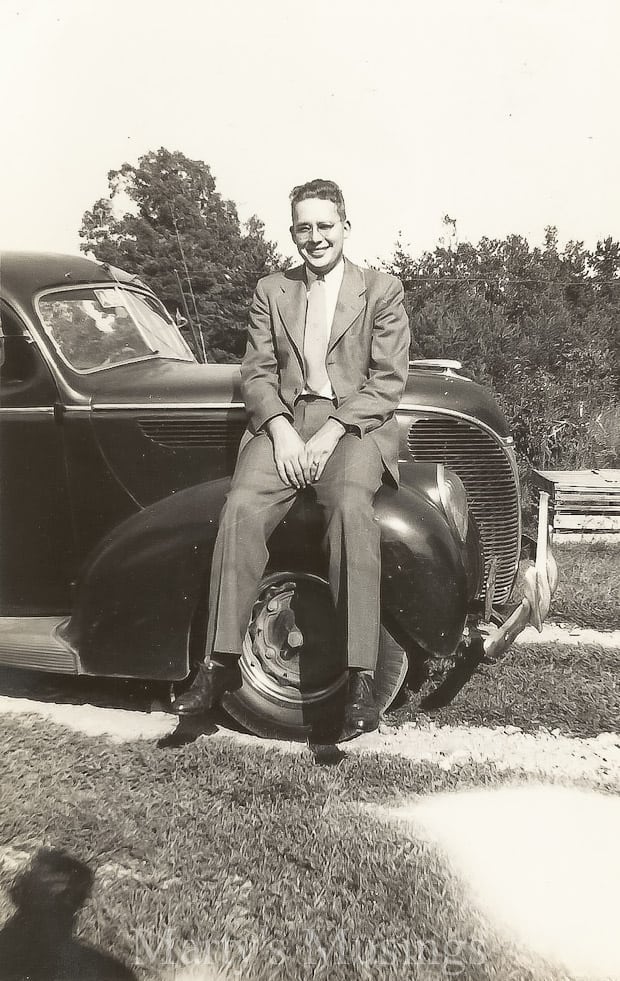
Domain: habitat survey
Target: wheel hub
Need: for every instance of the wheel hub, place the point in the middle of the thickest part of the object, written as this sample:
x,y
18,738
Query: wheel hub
x,y
289,647
277,640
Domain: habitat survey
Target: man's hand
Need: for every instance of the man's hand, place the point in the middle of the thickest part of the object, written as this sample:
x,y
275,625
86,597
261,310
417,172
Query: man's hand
x,y
320,447
289,451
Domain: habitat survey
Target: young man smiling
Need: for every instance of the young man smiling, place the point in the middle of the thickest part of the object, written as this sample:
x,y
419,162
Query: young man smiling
x,y
324,370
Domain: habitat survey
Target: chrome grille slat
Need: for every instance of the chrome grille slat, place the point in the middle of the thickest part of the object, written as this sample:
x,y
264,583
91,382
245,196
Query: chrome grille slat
x,y
483,466
176,433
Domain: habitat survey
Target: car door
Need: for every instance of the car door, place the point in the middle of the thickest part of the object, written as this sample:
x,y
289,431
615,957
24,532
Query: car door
x,y
36,535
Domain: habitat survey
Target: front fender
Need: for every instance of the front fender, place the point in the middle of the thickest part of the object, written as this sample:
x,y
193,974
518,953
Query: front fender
x,y
424,589
428,577
138,593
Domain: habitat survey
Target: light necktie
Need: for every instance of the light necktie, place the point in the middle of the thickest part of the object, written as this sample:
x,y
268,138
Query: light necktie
x,y
316,337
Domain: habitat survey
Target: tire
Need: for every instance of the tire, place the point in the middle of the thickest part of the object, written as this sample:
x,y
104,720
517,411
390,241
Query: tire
x,y
293,676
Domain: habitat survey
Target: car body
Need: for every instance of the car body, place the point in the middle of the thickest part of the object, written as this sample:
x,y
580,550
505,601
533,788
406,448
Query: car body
x,y
116,450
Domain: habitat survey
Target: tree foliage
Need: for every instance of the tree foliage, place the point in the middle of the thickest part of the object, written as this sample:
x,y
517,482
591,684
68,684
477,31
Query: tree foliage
x,y
541,326
172,215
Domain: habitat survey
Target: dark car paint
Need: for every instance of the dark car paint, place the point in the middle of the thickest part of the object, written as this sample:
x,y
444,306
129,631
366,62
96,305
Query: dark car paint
x,y
137,540
163,381
37,550
137,600
26,273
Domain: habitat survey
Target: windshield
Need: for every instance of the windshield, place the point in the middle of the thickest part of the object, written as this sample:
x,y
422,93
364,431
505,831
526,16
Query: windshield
x,y
96,327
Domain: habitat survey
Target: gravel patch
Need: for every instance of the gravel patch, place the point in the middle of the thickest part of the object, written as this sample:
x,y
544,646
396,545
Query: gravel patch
x,y
507,747
119,725
554,633
542,752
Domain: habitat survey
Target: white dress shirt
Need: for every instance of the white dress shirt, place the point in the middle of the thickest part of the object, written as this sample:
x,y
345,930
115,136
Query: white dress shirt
x,y
333,282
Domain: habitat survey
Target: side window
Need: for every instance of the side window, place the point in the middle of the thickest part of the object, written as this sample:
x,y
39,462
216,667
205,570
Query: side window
x,y
25,379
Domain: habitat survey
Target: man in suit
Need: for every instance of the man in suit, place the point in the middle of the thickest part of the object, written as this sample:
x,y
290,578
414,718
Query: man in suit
x,y
324,370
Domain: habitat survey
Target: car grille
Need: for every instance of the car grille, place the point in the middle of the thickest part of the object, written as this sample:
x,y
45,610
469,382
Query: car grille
x,y
483,466
191,430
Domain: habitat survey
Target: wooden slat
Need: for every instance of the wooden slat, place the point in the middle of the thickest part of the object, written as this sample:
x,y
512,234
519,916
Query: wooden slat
x,y
586,522
582,500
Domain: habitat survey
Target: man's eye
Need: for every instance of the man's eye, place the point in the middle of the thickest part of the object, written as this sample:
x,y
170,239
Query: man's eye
x,y
325,228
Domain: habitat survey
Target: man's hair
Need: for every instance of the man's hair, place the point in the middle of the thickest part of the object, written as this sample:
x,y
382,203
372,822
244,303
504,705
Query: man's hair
x,y
325,190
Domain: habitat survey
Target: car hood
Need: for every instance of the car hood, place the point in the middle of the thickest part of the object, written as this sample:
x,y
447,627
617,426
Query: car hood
x,y
163,425
428,389
164,382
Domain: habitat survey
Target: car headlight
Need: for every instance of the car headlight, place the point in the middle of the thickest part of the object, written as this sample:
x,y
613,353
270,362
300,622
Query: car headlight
x,y
454,500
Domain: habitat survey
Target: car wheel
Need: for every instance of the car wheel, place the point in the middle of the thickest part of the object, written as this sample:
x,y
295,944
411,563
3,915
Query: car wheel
x,y
293,674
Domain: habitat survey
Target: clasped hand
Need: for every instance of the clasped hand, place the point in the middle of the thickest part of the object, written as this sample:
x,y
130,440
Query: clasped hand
x,y
300,464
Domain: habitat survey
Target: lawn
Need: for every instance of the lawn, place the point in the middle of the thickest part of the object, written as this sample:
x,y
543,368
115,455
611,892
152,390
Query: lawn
x,y
588,590
267,865
250,860
573,689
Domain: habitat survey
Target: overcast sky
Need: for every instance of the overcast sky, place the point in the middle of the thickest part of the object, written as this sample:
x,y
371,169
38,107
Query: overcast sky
x,y
501,113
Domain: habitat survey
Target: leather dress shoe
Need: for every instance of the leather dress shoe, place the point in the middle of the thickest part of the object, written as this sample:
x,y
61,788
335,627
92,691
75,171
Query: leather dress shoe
x,y
360,712
210,683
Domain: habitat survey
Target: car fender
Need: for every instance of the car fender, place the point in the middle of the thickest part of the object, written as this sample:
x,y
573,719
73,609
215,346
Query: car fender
x,y
426,571
139,591
428,575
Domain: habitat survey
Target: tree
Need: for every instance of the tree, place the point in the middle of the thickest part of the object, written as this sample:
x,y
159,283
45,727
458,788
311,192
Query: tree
x,y
173,218
541,326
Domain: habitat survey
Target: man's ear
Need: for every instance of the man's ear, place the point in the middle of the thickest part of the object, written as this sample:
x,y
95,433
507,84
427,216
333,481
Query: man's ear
x,y
292,231
346,226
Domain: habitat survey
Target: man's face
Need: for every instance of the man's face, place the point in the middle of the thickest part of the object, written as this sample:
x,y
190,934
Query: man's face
x,y
319,232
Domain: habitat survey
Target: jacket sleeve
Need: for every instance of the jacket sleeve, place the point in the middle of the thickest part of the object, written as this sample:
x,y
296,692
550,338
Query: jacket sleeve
x,y
378,398
259,369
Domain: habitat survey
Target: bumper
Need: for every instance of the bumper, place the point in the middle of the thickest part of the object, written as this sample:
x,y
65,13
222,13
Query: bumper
x,y
539,586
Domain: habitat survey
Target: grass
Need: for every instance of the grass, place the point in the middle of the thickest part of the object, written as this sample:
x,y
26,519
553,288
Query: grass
x,y
264,864
259,862
588,592
573,689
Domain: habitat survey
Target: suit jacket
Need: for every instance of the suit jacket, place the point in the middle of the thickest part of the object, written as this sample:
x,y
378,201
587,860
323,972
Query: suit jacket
x,y
367,355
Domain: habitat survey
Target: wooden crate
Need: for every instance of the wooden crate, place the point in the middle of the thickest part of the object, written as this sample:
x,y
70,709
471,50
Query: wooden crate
x,y
583,503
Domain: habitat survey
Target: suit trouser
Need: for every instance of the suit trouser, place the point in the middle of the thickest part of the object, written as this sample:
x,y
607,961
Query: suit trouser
x,y
258,500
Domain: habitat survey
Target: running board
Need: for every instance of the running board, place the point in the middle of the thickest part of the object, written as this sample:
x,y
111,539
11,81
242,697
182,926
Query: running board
x,y
34,644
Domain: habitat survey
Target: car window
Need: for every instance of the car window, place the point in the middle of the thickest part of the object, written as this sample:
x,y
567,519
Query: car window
x,y
95,328
24,377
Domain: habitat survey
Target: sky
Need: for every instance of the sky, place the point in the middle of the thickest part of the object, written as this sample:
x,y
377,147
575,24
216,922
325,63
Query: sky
x,y
502,114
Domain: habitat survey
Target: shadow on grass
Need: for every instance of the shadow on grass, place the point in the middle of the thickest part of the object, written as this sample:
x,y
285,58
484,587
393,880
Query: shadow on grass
x,y
187,731
449,675
455,680
144,696
327,755
38,943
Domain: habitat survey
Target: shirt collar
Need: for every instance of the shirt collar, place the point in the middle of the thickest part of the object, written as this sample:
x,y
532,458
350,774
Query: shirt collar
x,y
334,275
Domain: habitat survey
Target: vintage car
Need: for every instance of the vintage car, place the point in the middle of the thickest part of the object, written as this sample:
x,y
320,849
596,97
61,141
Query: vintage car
x,y
116,449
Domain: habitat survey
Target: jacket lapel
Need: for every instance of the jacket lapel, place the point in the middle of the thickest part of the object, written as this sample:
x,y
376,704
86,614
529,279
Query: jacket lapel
x,y
292,304
351,302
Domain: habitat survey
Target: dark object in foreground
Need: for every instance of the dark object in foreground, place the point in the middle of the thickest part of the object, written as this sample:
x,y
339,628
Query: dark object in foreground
x,y
37,943
116,450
